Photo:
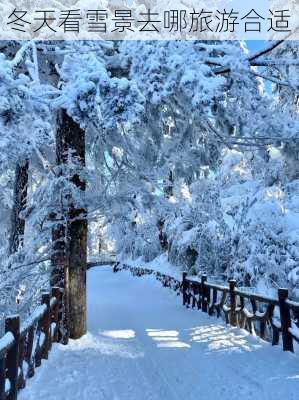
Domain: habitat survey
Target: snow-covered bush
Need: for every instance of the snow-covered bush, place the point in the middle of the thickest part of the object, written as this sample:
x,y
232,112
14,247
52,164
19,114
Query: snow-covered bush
x,y
263,214
199,238
137,236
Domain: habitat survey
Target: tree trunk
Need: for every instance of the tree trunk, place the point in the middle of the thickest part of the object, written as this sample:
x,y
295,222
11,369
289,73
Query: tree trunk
x,y
70,237
19,204
168,185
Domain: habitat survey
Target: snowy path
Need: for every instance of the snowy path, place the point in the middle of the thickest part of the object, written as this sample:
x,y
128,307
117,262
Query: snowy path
x,y
143,345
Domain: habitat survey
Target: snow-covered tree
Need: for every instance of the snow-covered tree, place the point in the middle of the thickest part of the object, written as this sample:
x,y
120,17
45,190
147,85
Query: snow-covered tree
x,y
196,159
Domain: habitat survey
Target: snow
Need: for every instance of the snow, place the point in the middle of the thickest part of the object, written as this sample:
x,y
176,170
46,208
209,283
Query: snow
x,y
188,236
53,328
158,264
142,344
6,341
294,330
7,385
37,314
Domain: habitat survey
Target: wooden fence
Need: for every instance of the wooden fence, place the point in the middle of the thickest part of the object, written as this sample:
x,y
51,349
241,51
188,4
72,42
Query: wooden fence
x,y
270,318
24,346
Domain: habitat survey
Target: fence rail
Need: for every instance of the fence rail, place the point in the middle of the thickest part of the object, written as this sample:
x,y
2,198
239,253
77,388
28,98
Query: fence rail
x,y
270,318
23,347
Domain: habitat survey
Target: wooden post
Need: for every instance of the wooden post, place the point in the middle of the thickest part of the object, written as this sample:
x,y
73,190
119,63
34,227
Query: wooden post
x,y
184,287
21,375
214,294
66,311
12,324
56,292
45,328
275,331
115,267
204,301
285,319
28,353
2,378
194,288
242,320
208,298
38,350
233,302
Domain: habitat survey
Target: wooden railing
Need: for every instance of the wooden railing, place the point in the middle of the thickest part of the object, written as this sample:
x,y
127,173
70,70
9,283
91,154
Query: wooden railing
x,y
105,259
24,346
268,317
100,263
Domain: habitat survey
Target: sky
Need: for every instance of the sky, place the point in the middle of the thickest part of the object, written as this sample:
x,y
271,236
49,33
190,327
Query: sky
x,y
255,45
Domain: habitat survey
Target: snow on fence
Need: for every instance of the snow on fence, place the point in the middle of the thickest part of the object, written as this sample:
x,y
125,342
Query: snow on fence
x,y
269,318
23,347
166,280
93,264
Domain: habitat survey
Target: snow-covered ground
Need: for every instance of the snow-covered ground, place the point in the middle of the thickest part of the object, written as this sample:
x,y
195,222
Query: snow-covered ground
x,y
143,345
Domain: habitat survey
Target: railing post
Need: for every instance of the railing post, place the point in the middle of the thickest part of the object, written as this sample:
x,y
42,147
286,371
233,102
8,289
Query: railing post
x,y
214,301
233,302
28,353
184,287
12,324
115,267
204,300
21,375
208,298
2,378
56,292
285,319
46,325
